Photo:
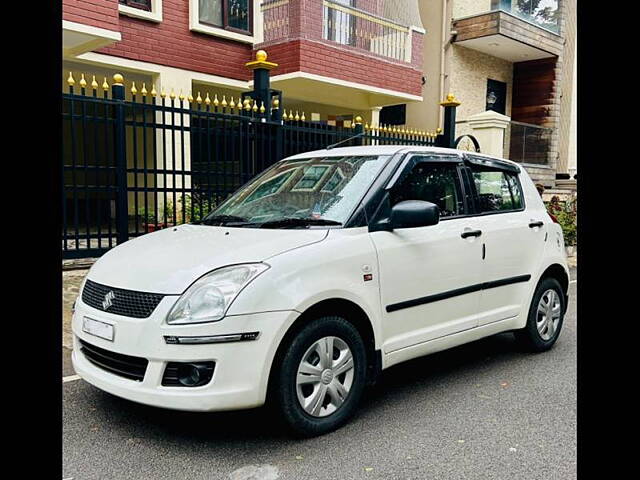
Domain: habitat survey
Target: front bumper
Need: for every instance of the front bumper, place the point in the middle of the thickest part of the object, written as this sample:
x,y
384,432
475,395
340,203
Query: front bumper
x,y
242,368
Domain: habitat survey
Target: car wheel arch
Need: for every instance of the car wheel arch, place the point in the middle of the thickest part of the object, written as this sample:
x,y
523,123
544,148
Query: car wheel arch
x,y
350,311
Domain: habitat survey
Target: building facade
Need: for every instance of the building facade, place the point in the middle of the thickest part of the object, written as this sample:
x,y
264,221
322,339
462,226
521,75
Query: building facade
x,y
512,57
337,58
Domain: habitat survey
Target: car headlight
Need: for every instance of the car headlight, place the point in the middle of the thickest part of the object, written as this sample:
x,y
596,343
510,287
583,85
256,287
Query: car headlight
x,y
209,298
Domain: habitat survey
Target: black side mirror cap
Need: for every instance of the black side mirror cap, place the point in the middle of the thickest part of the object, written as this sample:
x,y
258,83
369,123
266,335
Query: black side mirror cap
x,y
412,214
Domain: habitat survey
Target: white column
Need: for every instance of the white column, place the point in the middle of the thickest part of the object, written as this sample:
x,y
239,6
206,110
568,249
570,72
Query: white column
x,y
488,128
375,116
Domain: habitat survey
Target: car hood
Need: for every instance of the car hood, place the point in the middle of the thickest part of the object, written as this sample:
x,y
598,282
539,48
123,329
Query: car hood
x,y
170,260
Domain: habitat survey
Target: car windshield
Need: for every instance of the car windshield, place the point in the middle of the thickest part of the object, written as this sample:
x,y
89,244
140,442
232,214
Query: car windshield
x,y
301,193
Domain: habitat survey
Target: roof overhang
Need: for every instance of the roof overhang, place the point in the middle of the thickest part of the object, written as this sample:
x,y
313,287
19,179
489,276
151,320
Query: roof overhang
x,y
315,88
78,38
506,48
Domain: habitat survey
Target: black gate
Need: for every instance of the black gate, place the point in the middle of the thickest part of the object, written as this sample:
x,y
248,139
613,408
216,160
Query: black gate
x,y
131,167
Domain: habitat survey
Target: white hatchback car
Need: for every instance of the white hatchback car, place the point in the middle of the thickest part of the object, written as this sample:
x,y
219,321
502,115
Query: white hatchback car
x,y
316,275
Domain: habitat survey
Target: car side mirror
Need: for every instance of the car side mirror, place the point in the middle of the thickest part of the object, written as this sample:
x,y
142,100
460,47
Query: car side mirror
x,y
414,213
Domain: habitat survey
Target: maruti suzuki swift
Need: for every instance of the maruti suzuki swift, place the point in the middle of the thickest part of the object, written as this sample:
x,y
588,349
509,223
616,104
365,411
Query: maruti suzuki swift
x,y
318,274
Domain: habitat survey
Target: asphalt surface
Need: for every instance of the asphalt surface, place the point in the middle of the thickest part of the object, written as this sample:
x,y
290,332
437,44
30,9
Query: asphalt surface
x,y
484,410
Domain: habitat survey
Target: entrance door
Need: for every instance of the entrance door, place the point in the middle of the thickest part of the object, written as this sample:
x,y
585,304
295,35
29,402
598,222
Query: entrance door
x,y
429,275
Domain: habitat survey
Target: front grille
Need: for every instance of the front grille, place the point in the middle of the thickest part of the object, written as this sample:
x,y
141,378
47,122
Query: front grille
x,y
123,302
125,366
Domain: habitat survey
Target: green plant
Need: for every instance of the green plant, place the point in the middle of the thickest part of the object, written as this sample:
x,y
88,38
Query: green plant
x,y
149,215
146,216
195,208
566,212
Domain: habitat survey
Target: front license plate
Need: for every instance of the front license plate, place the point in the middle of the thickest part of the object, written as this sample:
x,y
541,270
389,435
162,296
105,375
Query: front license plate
x,y
98,329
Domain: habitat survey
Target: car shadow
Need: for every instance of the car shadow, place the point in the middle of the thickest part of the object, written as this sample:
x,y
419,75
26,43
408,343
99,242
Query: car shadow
x,y
256,427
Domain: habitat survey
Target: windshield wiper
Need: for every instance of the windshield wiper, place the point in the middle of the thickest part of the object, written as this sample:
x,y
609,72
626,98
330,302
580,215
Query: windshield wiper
x,y
298,222
221,220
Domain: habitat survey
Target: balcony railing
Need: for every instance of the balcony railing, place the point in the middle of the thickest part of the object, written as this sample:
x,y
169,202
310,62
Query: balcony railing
x,y
359,29
368,31
529,143
544,13
275,19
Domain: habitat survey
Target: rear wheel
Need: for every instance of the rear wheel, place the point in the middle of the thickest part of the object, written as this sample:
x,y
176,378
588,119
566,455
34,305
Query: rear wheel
x,y
321,377
546,315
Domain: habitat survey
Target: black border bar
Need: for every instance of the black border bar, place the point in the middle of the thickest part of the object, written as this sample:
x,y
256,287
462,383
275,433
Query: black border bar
x,y
456,292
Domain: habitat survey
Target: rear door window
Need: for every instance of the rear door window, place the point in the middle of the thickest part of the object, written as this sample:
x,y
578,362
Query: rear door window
x,y
498,191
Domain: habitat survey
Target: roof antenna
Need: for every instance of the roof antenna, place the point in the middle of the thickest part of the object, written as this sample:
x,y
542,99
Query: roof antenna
x,y
345,140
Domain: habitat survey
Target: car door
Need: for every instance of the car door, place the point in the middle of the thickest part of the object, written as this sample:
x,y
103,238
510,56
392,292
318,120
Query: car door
x,y
512,234
429,276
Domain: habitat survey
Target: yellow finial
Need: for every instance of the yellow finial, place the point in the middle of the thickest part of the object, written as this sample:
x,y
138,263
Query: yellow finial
x,y
153,90
262,108
224,101
291,115
94,84
297,117
181,96
163,94
438,130
70,81
450,101
216,102
134,90
207,100
247,104
358,119
276,103
232,104
302,117
199,98
366,125
261,56
190,98
118,79
144,89
255,106
83,82
105,85
172,95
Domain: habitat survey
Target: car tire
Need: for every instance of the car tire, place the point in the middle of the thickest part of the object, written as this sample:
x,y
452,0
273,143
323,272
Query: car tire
x,y
315,385
542,330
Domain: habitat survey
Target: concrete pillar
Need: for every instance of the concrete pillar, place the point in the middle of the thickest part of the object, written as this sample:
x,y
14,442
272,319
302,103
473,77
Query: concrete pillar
x,y
489,129
375,116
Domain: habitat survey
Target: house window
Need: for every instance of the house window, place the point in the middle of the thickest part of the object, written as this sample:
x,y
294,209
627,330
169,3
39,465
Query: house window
x,y
141,4
233,15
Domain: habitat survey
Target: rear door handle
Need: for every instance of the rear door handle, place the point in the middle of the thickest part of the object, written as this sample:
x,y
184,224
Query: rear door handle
x,y
471,233
535,224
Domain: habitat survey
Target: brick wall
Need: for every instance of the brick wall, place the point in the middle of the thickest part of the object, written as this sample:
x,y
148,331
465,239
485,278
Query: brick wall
x,y
96,13
322,59
171,43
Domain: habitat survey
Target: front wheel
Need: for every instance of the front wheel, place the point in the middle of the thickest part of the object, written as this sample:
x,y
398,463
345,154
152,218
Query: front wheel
x,y
546,315
321,377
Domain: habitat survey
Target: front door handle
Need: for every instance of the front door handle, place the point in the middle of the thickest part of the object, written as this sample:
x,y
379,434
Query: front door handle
x,y
535,224
471,233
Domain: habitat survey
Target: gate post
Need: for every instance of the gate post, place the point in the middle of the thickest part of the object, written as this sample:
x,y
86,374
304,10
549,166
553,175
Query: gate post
x,y
262,92
448,137
120,153
358,130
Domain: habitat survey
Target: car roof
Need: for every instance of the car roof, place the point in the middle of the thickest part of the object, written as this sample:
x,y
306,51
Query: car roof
x,y
388,150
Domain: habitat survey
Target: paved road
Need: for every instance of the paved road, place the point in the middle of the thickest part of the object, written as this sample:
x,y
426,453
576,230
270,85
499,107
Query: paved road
x,y
480,411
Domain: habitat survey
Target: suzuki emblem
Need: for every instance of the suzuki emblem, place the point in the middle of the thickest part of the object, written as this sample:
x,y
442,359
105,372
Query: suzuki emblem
x,y
108,300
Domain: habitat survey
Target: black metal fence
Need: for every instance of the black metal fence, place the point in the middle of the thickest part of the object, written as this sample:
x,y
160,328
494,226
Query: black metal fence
x,y
131,167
